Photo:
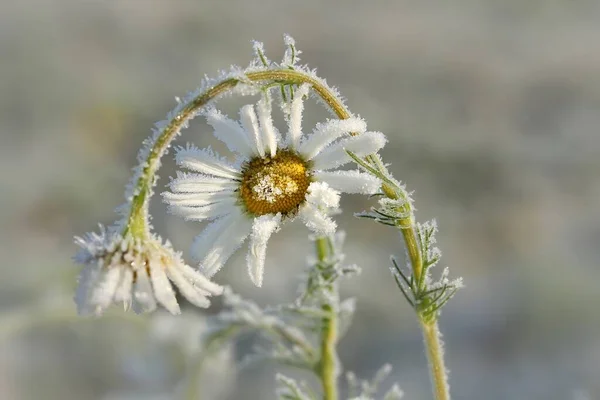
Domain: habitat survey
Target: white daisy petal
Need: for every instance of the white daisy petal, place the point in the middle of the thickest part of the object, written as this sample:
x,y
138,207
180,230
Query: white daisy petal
x,y
262,229
135,272
123,292
143,298
269,132
320,194
200,281
104,291
316,220
362,145
205,240
325,133
272,184
163,291
86,282
209,211
196,295
295,123
350,181
206,162
230,239
196,199
250,123
229,132
198,183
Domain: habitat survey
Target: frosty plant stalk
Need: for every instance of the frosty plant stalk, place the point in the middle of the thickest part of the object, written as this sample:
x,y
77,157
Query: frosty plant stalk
x,y
275,178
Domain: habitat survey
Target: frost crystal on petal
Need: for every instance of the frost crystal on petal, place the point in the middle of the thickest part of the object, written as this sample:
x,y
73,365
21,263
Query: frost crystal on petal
x,y
321,195
262,229
350,181
274,178
136,273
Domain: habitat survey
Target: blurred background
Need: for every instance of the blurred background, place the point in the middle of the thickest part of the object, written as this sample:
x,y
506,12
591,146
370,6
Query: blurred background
x,y
492,110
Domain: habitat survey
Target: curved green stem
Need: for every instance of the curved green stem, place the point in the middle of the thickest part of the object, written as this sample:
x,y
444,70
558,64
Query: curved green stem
x,y
137,223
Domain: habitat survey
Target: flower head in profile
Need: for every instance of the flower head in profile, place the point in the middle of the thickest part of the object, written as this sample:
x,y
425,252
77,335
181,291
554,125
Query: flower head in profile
x,y
137,273
275,178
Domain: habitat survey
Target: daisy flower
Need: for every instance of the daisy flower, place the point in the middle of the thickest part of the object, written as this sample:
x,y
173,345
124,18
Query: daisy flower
x,y
137,273
275,178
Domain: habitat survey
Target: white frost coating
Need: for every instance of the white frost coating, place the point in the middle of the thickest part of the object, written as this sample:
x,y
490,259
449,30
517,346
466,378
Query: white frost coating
x,y
269,132
259,53
133,272
252,130
205,161
325,133
196,199
143,298
266,189
169,197
229,132
290,57
195,295
290,389
321,195
295,119
199,280
362,145
104,290
163,290
316,220
312,74
244,87
205,240
395,393
230,239
262,229
350,181
123,293
199,183
207,212
213,194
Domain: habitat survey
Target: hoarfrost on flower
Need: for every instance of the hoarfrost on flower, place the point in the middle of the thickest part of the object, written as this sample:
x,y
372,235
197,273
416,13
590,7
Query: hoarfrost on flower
x,y
137,273
275,178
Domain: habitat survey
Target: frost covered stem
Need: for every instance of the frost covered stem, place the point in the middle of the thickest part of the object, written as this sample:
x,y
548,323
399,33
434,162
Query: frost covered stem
x,y
414,253
137,223
327,366
435,356
138,217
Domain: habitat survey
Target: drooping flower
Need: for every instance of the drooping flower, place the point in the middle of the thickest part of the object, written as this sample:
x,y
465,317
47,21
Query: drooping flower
x,y
137,273
275,178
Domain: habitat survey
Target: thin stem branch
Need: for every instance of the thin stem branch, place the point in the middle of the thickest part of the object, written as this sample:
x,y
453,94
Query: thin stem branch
x,y
435,356
414,253
327,366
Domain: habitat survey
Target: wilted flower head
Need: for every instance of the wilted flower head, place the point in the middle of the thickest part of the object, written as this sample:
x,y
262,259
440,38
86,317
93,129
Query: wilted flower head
x,y
274,178
137,273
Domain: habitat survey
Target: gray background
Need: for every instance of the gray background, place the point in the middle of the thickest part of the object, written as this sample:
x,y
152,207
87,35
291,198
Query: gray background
x,y
492,110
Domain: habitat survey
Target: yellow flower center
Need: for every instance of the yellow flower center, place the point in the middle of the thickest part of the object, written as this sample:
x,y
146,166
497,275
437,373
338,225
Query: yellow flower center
x,y
273,185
